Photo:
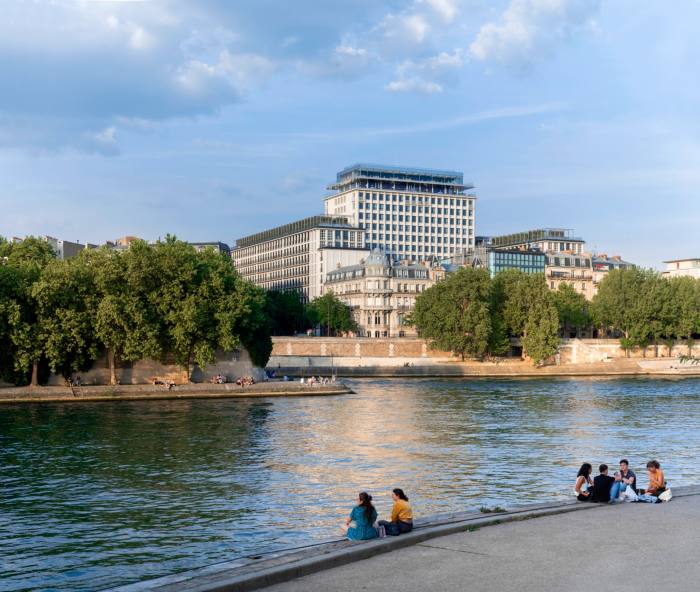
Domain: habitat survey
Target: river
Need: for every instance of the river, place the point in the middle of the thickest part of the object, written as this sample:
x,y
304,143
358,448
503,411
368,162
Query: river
x,y
93,495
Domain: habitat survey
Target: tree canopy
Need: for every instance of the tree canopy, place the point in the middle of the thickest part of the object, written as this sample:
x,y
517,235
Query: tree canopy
x,y
330,314
146,302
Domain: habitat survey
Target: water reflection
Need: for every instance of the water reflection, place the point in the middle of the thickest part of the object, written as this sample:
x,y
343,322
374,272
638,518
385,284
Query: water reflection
x,y
89,489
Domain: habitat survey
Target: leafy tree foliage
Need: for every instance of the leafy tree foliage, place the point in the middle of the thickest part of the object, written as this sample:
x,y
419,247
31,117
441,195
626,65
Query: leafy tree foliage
x,y
286,311
330,314
645,308
470,314
572,308
454,315
147,302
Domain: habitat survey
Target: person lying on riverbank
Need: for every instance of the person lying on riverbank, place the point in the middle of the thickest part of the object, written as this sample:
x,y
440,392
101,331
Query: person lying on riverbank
x,y
359,525
627,478
584,483
401,515
602,485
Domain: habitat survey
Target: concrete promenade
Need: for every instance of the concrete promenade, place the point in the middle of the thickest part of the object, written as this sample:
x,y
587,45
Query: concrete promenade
x,y
562,545
147,392
624,548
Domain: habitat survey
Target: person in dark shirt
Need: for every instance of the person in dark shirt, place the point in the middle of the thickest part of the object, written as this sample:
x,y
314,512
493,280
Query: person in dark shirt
x,y
602,485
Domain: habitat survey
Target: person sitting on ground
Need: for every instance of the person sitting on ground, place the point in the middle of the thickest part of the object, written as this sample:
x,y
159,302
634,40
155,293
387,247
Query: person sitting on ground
x,y
657,481
584,483
602,485
627,479
401,515
364,515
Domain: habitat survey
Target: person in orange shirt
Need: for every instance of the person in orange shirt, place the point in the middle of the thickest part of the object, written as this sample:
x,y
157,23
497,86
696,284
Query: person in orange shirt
x,y
401,515
657,481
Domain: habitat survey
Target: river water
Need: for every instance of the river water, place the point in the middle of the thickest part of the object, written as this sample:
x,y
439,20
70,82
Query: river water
x,y
93,495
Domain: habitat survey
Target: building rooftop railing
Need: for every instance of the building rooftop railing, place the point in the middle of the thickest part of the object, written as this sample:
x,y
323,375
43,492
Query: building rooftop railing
x,y
535,235
294,228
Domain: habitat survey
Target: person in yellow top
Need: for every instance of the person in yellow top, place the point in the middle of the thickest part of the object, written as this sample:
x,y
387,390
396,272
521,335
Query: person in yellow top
x,y
657,481
401,515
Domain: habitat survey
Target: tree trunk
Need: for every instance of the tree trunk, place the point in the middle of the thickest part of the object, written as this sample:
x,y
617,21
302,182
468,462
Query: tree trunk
x,y
112,369
35,374
656,350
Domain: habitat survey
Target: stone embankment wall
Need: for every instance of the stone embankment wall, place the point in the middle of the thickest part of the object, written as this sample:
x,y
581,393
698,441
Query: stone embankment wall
x,y
232,365
356,352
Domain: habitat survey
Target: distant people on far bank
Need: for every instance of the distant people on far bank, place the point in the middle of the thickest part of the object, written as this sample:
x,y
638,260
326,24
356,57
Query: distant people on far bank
x,y
359,526
623,486
401,515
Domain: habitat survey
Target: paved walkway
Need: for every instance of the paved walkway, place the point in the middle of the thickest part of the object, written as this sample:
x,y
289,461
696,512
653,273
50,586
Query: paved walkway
x,y
625,548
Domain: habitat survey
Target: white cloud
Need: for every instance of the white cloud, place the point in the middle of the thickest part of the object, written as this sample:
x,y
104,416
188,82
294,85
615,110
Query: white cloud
x,y
349,50
530,28
414,84
447,9
428,76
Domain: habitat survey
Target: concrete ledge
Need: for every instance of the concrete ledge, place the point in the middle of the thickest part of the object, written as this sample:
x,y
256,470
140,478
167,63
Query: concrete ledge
x,y
49,394
263,570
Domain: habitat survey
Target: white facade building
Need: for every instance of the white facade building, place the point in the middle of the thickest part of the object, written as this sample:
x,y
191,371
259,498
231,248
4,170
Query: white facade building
x,y
411,214
297,256
682,267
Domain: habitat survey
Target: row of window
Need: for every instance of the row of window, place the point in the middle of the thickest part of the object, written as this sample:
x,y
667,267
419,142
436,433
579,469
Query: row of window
x,y
392,197
415,209
420,219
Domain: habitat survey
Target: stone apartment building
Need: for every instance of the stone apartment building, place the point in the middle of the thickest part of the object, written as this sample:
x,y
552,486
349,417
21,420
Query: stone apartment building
x,y
381,292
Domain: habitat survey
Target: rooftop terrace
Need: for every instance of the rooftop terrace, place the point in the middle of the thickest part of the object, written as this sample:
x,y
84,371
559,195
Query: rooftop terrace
x,y
400,178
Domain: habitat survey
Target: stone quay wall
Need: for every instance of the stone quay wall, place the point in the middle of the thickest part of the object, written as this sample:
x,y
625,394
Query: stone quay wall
x,y
349,352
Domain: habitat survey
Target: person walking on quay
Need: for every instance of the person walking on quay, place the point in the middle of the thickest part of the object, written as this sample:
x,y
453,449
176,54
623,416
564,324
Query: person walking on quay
x,y
602,485
401,515
627,479
363,515
584,483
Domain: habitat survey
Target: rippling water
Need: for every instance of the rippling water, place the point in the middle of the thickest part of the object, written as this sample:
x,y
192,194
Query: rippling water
x,y
99,494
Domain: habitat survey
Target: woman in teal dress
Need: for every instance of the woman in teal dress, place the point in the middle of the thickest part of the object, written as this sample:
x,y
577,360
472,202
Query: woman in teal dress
x,y
364,515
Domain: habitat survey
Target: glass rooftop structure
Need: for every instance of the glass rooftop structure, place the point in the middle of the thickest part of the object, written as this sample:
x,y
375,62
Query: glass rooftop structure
x,y
373,176
294,228
533,236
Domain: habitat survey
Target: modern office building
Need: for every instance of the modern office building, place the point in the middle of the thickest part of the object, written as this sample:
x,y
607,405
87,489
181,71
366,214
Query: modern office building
x,y
682,267
547,240
410,213
297,256
381,292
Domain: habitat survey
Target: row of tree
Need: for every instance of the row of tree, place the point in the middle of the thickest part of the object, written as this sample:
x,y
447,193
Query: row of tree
x,y
152,301
646,309
473,315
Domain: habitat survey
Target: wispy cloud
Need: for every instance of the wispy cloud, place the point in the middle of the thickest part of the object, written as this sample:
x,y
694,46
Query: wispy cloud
x,y
437,125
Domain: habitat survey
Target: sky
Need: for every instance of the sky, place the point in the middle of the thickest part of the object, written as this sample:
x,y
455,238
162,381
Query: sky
x,y
215,119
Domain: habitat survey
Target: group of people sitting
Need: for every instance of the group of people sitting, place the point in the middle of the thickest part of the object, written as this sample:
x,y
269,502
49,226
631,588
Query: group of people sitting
x,y
312,380
218,379
245,381
362,523
622,486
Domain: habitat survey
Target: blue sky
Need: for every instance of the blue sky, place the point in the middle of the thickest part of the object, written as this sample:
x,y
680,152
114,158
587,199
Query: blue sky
x,y
215,119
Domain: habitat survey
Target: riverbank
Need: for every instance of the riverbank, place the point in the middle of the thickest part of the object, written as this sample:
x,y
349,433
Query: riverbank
x,y
140,392
573,541
661,367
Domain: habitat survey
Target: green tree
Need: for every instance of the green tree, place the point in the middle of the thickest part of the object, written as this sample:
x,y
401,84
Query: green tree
x,y
541,335
331,314
572,308
127,320
615,304
286,311
27,260
685,291
66,303
205,306
454,315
